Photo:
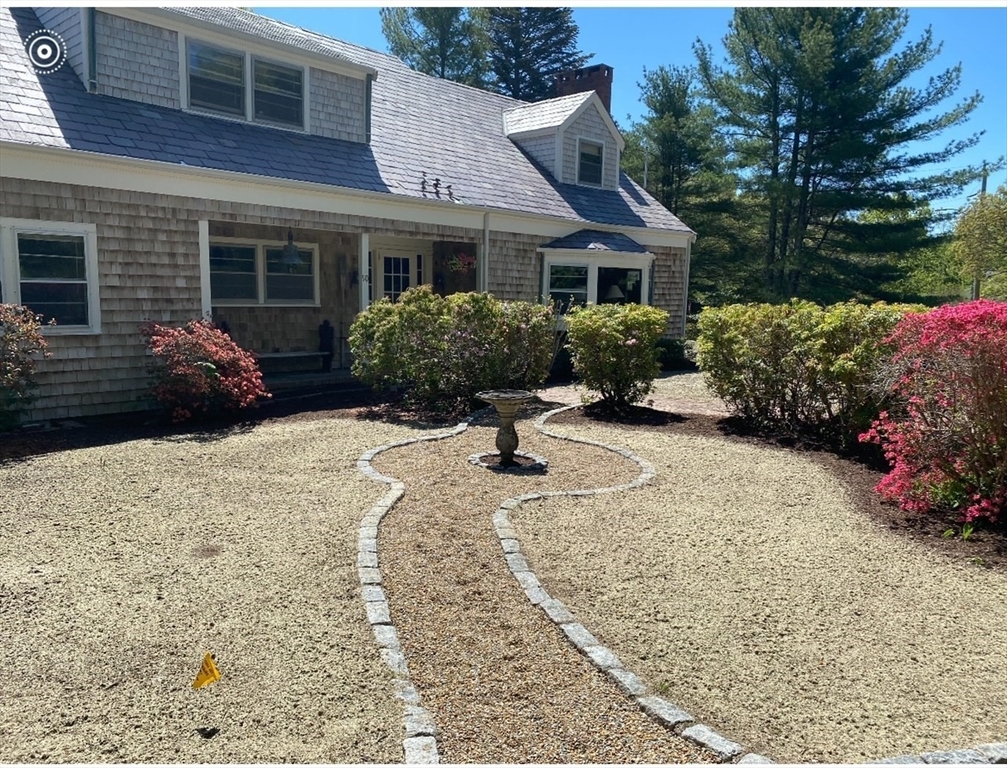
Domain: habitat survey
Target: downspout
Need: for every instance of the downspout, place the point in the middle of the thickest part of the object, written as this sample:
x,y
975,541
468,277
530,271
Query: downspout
x,y
367,115
484,281
685,285
92,53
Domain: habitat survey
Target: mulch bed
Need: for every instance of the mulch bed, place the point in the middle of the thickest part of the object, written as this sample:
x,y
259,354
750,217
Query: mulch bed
x,y
858,473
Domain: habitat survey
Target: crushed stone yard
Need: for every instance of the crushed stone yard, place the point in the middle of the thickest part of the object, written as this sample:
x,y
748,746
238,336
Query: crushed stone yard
x,y
121,565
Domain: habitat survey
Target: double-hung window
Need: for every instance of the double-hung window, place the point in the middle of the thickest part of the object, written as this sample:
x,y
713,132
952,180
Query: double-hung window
x,y
244,272
568,285
590,162
237,84
51,268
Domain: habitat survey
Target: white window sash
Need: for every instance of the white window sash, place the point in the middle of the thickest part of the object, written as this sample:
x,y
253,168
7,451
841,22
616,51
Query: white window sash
x,y
260,247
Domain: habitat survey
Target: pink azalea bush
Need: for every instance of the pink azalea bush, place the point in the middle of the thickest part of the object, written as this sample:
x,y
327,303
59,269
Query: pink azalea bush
x,y
947,440
199,371
21,344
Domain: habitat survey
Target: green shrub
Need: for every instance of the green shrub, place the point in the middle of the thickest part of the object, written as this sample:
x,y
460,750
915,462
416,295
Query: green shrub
x,y
444,350
672,355
797,366
21,342
614,349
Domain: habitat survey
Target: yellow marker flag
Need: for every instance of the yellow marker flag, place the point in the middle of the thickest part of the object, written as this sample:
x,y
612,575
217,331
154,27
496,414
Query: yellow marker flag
x,y
208,673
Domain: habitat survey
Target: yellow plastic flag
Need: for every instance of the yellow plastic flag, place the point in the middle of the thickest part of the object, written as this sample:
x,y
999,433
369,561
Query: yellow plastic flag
x,y
208,673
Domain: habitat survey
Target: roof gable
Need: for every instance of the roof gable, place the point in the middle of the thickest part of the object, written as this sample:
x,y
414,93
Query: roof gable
x,y
542,115
595,102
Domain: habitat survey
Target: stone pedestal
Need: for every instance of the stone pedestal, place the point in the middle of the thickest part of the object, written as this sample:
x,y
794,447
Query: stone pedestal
x,y
507,403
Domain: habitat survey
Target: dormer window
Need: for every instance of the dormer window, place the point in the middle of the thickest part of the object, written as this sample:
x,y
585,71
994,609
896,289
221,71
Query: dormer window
x,y
216,79
590,164
218,82
279,93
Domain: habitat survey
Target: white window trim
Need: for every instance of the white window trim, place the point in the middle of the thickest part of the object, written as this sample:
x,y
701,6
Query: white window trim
x,y
616,259
260,272
604,153
10,269
249,54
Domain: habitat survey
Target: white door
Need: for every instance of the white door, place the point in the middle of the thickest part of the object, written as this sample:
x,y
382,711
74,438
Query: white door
x,y
398,272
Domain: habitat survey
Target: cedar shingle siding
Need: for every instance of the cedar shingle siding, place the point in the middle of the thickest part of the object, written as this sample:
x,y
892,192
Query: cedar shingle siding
x,y
136,61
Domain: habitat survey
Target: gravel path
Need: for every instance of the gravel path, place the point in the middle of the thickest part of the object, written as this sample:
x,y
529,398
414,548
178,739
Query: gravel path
x,y
503,683
745,586
675,391
120,566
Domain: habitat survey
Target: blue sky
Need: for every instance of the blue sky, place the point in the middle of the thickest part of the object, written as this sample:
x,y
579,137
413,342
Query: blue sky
x,y
629,39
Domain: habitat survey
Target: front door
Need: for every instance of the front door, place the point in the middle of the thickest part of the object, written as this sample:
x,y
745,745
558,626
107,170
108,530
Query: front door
x,y
398,272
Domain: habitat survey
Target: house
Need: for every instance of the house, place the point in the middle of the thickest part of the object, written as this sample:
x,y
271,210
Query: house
x,y
192,162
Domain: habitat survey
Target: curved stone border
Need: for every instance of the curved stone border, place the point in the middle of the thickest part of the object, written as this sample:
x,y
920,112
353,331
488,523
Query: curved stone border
x,y
541,462
671,716
420,742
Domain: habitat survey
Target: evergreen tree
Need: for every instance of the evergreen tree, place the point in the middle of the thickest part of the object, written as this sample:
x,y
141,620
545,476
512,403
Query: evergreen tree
x,y
444,42
820,119
980,243
529,47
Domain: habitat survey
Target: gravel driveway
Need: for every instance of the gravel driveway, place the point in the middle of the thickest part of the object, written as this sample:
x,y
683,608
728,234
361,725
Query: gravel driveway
x,y
120,566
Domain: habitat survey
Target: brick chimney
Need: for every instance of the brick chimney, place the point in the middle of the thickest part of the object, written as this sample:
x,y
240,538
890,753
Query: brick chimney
x,y
597,77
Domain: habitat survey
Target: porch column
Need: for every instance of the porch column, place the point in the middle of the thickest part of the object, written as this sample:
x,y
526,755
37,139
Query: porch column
x,y
364,269
205,300
483,257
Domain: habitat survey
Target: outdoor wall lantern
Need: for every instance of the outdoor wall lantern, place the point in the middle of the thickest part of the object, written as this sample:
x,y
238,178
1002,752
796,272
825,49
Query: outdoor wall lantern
x,y
291,254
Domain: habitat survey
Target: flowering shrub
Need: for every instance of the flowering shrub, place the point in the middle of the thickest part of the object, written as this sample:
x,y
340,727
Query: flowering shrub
x,y
797,366
444,350
946,439
200,371
462,263
614,349
21,341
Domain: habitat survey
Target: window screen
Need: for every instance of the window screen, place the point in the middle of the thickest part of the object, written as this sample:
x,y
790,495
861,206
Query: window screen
x,y
278,96
590,163
232,273
216,79
54,277
567,285
289,282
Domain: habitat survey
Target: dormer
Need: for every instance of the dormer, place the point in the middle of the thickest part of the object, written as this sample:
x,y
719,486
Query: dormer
x,y
220,62
572,136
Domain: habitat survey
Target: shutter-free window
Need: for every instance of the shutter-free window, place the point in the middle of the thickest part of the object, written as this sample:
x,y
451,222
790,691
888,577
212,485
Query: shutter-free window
x,y
589,169
567,285
232,273
617,285
289,282
279,93
53,273
216,79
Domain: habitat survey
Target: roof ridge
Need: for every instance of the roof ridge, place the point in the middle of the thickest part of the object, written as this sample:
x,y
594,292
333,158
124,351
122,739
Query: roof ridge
x,y
583,95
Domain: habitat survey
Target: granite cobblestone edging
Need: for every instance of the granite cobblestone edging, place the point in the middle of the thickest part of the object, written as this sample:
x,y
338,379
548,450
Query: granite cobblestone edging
x,y
673,717
420,742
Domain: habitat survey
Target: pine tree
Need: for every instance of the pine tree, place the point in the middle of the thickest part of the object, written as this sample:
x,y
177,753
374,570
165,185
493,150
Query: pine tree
x,y
529,47
823,125
444,42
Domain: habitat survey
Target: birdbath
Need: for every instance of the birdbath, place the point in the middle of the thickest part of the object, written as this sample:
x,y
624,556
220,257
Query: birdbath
x,y
507,403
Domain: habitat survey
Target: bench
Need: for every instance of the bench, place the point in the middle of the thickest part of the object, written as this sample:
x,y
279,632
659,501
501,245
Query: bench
x,y
273,362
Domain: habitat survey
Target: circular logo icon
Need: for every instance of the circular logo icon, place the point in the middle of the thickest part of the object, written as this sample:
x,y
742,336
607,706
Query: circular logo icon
x,y
46,51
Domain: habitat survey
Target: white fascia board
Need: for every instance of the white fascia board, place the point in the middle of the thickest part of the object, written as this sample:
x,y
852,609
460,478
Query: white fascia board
x,y
605,116
534,134
92,169
597,255
215,33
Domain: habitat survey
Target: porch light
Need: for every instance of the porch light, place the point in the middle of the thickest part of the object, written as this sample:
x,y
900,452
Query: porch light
x,y
291,254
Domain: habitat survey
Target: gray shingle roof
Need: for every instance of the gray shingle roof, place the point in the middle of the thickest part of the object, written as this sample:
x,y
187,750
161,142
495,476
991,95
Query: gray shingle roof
x,y
594,240
420,124
543,114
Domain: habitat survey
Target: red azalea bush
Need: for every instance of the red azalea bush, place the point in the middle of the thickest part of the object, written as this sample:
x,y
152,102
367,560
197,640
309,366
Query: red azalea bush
x,y
947,443
200,371
21,342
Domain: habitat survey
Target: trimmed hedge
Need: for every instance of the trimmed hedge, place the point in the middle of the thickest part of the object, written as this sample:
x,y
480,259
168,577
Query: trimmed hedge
x,y
444,350
614,349
798,367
